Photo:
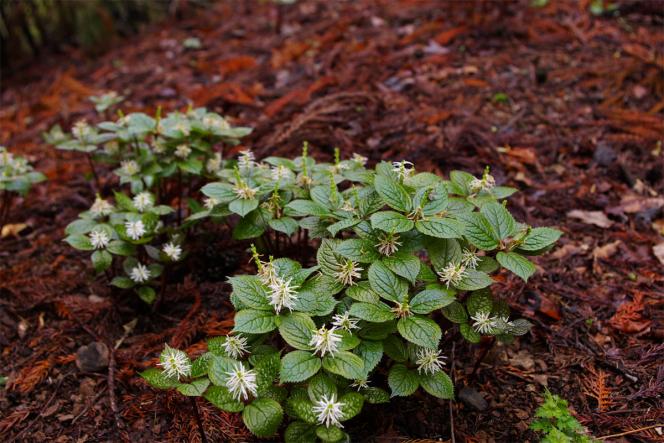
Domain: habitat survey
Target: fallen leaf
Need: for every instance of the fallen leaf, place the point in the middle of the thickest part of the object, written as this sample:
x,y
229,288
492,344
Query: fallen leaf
x,y
568,250
13,230
597,218
658,250
603,252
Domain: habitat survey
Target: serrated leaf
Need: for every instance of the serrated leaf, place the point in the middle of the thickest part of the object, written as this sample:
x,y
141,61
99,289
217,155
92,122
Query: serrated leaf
x,y
390,221
519,326
335,228
222,192
80,242
101,260
402,381
474,280
218,368
469,333
327,258
223,399
345,364
307,207
386,284
297,366
357,249
479,301
156,378
194,389
353,403
375,313
321,385
250,291
404,264
253,321
440,228
501,221
455,312
287,225
420,330
371,353
516,263
296,329
362,292
479,232
298,432
444,251
395,348
329,435
439,385
375,396
540,238
431,299
302,408
393,193
263,417
243,207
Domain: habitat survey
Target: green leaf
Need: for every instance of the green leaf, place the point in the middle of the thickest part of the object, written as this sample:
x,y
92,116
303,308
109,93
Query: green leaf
x,y
540,238
297,366
357,249
122,282
440,228
250,226
223,192
404,264
479,232
362,292
499,219
390,221
147,294
296,329
375,313
455,312
194,389
329,435
263,417
345,364
395,348
443,251
371,353
374,395
287,225
199,367
223,399
393,193
474,280
267,370
438,384
80,242
307,207
80,226
516,263
302,408
156,378
254,322
218,368
327,258
386,283
122,248
402,381
335,228
431,299
250,291
298,432
101,260
469,333
519,326
479,301
420,330
353,403
243,207
321,385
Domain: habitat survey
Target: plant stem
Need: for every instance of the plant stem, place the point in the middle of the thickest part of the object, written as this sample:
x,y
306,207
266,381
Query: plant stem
x,y
485,350
94,171
198,419
179,197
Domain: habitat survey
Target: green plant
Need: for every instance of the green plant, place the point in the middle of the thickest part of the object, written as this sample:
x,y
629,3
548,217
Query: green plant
x,y
557,423
16,178
402,255
106,101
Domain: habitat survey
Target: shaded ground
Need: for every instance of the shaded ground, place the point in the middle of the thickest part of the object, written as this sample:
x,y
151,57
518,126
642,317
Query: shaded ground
x,y
562,104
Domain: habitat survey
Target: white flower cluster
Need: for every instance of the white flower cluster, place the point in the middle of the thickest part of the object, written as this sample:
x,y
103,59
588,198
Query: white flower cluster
x,y
329,411
348,272
325,341
176,363
241,382
429,361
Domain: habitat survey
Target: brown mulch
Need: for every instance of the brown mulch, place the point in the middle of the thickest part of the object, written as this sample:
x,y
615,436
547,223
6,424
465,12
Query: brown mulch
x,y
564,105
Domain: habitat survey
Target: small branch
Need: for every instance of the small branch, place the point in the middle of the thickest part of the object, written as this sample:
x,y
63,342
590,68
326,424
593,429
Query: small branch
x,y
197,414
450,402
485,351
633,431
111,387
94,171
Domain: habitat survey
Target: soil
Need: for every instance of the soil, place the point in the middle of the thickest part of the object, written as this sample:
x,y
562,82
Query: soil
x,y
563,104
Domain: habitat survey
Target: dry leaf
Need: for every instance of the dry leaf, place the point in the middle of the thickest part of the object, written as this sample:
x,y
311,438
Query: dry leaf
x,y
658,250
13,229
597,218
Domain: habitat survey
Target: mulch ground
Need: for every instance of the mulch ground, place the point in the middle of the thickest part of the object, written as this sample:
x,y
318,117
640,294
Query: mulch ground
x,y
564,105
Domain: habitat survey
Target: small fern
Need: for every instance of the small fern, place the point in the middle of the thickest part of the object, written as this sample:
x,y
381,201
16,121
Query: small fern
x,y
554,419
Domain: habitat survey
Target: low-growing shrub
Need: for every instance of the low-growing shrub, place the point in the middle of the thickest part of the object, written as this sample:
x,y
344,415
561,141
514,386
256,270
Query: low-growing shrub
x,y
556,422
402,256
16,178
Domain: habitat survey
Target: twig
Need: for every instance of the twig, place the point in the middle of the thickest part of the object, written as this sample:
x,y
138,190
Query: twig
x,y
111,387
450,403
198,419
485,351
633,431
94,171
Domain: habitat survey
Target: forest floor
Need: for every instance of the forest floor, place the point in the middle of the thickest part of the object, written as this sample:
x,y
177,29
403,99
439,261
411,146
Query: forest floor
x,y
565,105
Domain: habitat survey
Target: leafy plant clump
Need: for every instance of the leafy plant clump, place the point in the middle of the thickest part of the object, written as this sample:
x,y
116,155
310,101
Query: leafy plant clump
x,y
402,256
557,423
16,178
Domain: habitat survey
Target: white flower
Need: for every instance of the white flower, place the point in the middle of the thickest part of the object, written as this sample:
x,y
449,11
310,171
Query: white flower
x,y
129,167
304,180
182,151
338,168
99,239
143,201
362,160
81,129
241,382
246,160
267,273
483,322
343,321
235,346
360,384
388,243
469,259
176,363
158,147
172,251
210,203
429,361
112,147
403,169
279,172
244,192
135,229
282,294
348,273
101,208
325,341
183,126
452,274
329,410
348,206
140,273
486,183
213,164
